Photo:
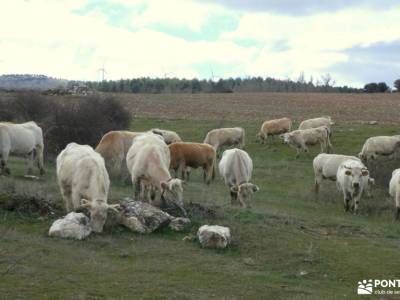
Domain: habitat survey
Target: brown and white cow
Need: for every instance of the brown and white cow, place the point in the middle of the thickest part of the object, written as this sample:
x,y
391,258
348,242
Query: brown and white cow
x,y
225,137
148,161
274,127
84,183
113,147
379,146
301,139
193,155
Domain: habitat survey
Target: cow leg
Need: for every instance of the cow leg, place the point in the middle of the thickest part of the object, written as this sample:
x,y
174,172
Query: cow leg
x,y
347,199
233,198
3,163
182,169
397,216
208,171
39,159
30,157
136,187
318,180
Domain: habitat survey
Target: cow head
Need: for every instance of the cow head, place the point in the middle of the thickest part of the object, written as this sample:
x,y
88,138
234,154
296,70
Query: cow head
x,y
98,212
286,137
244,192
364,158
172,192
359,179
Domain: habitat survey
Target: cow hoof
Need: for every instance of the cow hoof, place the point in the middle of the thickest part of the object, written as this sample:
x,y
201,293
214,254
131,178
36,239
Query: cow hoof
x,y
7,171
42,172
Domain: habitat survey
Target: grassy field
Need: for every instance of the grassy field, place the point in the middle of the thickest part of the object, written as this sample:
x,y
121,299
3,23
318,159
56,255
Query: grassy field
x,y
289,245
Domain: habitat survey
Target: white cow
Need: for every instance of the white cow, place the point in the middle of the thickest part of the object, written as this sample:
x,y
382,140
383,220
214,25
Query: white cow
x,y
300,139
326,166
24,139
236,168
379,146
394,190
84,183
148,162
225,137
168,135
352,180
316,122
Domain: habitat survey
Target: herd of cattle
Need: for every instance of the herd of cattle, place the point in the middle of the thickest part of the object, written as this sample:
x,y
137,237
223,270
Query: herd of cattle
x,y
83,173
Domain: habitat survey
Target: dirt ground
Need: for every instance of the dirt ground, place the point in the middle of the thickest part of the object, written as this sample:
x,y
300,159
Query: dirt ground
x,y
348,108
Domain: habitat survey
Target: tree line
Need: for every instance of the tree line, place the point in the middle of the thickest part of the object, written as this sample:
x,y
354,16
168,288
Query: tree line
x,y
230,85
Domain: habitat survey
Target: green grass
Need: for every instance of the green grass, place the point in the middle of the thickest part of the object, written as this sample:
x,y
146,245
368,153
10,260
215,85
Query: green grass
x,y
287,232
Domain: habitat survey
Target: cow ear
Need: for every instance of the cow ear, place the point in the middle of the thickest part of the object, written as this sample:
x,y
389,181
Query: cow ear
x,y
255,188
348,172
235,189
365,173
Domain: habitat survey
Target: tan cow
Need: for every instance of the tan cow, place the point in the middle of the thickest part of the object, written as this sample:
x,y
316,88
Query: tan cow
x,y
274,127
379,146
316,122
193,155
300,139
84,183
113,147
148,161
225,137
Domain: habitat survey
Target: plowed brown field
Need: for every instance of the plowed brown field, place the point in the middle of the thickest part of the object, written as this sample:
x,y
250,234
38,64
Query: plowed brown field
x,y
351,108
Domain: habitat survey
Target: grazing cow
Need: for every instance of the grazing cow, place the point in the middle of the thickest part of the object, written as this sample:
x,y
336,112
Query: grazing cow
x,y
326,167
84,183
24,139
379,146
193,155
113,147
148,161
236,168
225,137
394,190
300,139
352,179
316,122
274,127
168,135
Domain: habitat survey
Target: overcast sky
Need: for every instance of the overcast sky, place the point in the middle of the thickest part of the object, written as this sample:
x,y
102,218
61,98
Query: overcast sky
x,y
355,41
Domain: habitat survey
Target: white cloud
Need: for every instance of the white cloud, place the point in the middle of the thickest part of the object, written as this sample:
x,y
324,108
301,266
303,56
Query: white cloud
x,y
47,37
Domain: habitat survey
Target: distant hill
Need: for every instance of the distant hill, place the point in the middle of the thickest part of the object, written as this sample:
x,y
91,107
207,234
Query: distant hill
x,y
30,82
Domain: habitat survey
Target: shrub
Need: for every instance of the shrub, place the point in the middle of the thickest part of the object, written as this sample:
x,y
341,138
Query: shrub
x,y
84,122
